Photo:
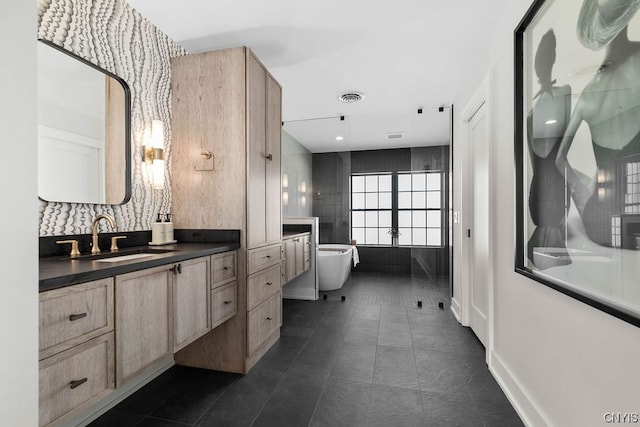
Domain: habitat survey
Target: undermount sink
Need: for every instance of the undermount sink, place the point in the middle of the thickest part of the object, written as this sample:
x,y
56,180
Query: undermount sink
x,y
122,255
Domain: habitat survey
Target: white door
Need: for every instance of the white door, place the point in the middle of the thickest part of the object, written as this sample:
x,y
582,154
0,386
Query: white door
x,y
478,234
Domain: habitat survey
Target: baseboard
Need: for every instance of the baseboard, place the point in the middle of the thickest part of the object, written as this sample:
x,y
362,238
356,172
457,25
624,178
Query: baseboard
x,y
455,309
528,411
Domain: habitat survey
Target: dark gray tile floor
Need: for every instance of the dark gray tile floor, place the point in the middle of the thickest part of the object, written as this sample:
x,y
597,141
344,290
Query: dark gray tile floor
x,y
375,359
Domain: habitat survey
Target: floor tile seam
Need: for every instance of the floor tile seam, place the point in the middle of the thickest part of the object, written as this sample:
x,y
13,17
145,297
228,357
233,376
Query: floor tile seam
x,y
266,401
166,419
224,392
324,386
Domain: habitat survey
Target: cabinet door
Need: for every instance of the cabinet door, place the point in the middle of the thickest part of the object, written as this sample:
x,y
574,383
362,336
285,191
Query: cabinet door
x,y
190,301
306,247
256,153
290,257
299,256
273,171
143,320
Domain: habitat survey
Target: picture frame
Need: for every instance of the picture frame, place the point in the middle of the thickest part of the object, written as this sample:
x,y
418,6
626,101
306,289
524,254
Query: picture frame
x,y
577,151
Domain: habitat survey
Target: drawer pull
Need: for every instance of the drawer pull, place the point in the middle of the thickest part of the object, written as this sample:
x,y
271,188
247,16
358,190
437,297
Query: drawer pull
x,y
225,268
74,317
269,318
268,256
177,269
77,383
268,283
227,302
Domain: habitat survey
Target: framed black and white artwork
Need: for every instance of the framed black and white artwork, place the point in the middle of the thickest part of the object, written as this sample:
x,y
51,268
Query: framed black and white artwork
x,y
577,151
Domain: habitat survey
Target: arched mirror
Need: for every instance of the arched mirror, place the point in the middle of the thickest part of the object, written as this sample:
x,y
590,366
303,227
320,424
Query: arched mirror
x,y
84,136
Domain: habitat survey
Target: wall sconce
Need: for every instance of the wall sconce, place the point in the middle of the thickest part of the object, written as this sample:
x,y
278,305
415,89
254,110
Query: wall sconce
x,y
285,181
154,154
285,198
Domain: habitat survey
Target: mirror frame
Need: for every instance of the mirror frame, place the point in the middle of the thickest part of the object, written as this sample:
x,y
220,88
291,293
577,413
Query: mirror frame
x,y
127,124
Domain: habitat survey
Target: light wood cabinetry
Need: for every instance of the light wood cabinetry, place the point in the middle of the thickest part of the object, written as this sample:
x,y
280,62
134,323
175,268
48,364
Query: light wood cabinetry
x,y
223,268
144,323
76,378
264,321
98,335
224,288
224,303
264,222
264,299
76,348
73,315
191,313
297,254
226,103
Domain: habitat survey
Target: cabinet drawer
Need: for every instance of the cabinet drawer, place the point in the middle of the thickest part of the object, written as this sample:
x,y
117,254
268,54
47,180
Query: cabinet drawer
x,y
262,258
262,285
224,304
74,314
76,377
263,321
223,269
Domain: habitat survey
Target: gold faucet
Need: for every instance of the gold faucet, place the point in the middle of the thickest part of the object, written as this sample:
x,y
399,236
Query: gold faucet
x,y
95,248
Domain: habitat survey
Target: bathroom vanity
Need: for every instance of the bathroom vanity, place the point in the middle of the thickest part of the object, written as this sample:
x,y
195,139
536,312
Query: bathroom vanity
x,y
108,326
299,272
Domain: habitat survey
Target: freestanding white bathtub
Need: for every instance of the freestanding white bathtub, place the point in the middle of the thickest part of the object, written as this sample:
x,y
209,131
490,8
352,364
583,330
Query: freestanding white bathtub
x,y
334,266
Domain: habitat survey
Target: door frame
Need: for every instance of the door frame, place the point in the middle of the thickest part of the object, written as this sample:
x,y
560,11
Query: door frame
x,y
463,213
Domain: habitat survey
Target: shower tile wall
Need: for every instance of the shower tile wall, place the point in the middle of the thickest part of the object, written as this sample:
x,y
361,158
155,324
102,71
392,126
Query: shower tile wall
x,y
331,204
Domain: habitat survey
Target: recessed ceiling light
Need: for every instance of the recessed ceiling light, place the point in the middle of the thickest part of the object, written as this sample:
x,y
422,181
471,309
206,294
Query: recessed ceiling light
x,y
339,138
350,97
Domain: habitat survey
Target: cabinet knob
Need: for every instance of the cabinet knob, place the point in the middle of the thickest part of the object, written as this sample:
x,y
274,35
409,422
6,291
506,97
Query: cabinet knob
x,y
225,268
269,157
227,302
77,383
75,317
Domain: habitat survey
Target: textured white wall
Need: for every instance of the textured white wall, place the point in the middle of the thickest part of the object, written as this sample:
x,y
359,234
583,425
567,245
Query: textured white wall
x,y
113,35
18,217
563,362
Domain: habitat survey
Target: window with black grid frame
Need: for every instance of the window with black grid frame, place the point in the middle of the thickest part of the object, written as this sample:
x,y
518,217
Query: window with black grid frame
x,y
406,205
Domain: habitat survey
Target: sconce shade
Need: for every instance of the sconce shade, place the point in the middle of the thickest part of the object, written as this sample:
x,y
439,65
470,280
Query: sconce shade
x,y
154,154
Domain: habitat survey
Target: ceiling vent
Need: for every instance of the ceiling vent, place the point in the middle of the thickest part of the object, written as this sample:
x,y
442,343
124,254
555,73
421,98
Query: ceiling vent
x,y
395,135
350,97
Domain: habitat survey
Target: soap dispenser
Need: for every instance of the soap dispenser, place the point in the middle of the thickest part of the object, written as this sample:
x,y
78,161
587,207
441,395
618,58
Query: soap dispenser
x,y
168,229
158,235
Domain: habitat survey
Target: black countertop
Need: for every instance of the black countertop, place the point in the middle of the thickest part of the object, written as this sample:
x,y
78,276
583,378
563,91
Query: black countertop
x,y
57,271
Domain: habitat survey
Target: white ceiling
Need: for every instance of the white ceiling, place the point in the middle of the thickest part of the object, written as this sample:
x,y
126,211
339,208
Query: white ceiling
x,y
402,54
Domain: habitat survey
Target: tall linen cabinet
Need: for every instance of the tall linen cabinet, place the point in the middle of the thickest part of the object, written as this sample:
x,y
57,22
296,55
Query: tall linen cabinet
x,y
226,154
